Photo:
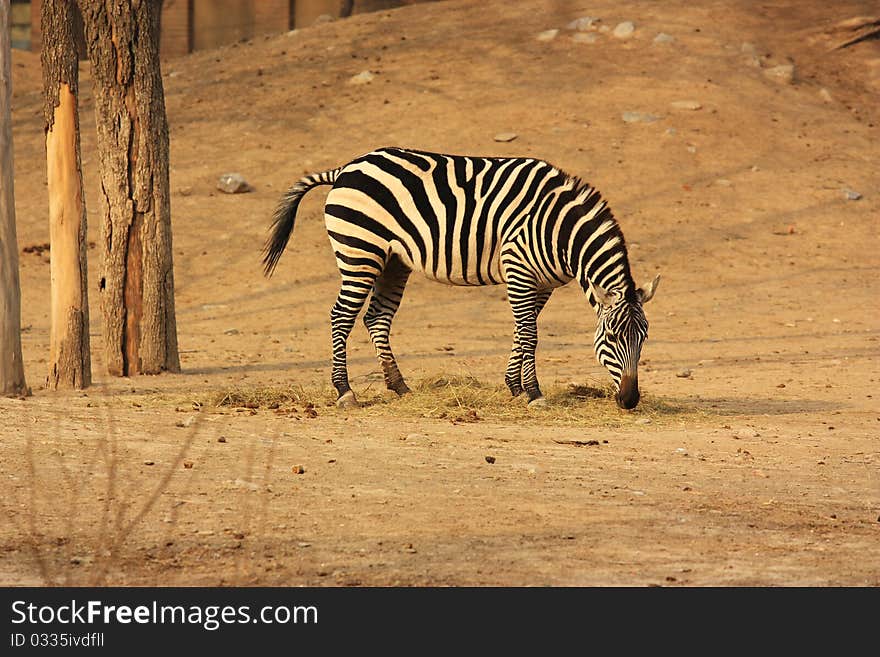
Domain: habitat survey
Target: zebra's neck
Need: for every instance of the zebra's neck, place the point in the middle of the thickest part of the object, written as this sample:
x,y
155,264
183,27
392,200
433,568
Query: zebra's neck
x,y
596,250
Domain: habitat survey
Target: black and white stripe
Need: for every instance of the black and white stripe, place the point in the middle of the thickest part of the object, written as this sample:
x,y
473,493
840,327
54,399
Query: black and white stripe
x,y
472,221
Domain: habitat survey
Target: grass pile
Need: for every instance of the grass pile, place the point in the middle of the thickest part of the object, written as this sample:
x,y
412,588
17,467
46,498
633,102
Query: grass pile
x,y
462,399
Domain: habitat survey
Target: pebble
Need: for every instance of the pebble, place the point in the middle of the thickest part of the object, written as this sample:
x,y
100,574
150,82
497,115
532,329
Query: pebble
x,y
585,37
221,439
582,24
233,183
231,331
683,374
644,420
298,469
624,30
547,35
639,117
686,105
505,136
664,38
364,77
490,459
851,195
149,463
783,74
825,95
188,465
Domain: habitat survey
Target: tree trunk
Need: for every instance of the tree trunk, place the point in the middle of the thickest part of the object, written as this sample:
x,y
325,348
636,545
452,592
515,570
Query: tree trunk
x,y
11,366
137,282
69,358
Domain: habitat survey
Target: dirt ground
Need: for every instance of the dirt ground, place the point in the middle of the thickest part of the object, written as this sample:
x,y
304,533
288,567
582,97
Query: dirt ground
x,y
764,470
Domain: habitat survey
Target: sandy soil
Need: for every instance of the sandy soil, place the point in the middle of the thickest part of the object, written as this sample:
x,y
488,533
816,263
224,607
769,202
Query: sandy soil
x,y
769,472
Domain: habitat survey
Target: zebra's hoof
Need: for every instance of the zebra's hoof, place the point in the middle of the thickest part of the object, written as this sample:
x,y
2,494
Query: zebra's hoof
x,y
515,392
402,390
347,400
538,402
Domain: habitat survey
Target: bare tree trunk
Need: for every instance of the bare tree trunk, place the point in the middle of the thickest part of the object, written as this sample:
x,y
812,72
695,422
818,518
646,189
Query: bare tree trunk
x,y
137,281
11,366
69,358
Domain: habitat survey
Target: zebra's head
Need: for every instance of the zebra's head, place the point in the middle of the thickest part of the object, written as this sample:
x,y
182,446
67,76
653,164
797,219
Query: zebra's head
x,y
620,333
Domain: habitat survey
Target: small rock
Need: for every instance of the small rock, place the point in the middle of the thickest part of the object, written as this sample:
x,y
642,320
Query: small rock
x,y
505,136
582,24
783,74
780,385
149,463
644,420
231,331
825,95
233,183
664,38
364,77
409,548
686,105
303,544
639,117
490,459
851,195
547,35
585,37
298,469
683,374
221,439
188,465
624,30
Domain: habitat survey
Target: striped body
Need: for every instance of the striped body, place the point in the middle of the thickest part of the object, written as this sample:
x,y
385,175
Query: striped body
x,y
468,221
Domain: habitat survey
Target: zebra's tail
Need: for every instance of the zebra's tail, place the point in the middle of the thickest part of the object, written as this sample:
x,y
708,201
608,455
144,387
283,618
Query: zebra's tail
x,y
285,216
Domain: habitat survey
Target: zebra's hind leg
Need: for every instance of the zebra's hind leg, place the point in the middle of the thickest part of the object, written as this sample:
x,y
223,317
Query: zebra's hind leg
x,y
352,296
387,294
513,376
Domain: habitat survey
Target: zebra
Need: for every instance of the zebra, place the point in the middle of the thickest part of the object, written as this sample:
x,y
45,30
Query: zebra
x,y
464,220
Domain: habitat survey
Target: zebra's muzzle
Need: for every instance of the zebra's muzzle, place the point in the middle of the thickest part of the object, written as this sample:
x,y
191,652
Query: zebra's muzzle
x,y
628,395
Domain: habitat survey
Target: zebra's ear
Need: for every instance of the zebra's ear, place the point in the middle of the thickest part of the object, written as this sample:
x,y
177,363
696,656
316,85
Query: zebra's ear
x,y
603,297
646,292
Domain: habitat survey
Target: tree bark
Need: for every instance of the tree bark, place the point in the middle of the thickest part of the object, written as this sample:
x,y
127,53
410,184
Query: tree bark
x,y
12,380
137,284
69,357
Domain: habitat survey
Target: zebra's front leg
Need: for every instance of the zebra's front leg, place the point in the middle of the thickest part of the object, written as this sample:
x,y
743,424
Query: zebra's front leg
x,y
514,374
523,303
387,295
342,318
